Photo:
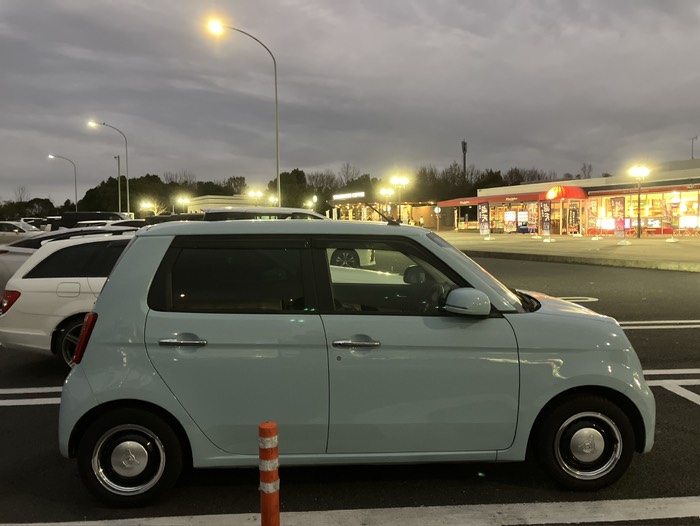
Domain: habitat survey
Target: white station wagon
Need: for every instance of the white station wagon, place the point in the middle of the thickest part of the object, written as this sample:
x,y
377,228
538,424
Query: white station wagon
x,y
203,330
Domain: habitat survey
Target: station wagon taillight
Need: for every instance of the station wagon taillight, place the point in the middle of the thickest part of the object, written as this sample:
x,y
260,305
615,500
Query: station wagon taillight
x,y
85,332
8,299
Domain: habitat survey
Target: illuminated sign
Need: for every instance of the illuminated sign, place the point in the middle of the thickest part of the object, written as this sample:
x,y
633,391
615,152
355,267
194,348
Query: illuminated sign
x,y
340,197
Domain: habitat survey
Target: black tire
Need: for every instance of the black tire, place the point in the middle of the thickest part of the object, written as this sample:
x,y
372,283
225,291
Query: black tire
x,y
129,457
66,340
343,257
585,443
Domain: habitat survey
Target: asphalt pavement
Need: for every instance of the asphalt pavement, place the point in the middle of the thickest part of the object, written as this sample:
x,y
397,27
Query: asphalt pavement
x,y
681,253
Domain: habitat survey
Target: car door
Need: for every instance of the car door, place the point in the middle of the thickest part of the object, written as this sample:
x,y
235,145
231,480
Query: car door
x,y
405,376
234,333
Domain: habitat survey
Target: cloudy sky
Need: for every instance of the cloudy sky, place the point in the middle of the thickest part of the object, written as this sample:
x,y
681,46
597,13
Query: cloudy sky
x,y
385,85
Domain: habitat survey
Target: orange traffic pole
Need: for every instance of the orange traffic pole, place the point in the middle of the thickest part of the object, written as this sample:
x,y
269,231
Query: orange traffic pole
x,y
269,474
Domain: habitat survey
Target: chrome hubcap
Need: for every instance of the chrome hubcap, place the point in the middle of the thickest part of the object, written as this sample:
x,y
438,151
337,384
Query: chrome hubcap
x,y
128,460
588,445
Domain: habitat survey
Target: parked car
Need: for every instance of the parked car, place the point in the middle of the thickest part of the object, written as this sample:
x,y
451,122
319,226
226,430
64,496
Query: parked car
x,y
14,230
45,302
205,329
14,254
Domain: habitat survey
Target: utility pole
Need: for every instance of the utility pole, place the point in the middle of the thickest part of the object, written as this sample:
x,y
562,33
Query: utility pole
x,y
464,159
692,144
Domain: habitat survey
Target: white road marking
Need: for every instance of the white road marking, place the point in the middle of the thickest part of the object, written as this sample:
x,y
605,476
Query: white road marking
x,y
656,372
659,324
474,515
31,390
30,401
578,299
675,387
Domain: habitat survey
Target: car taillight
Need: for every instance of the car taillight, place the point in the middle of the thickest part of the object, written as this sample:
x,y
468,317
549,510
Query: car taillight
x,y
85,332
8,299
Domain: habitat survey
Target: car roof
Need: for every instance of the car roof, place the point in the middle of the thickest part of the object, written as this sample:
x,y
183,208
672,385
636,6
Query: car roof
x,y
39,239
56,245
253,227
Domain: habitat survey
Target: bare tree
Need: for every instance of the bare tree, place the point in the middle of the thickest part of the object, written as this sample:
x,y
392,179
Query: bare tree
x,y
21,194
237,185
347,173
184,177
322,182
586,170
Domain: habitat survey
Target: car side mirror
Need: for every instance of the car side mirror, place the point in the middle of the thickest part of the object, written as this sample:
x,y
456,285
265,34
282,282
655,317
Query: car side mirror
x,y
469,301
414,275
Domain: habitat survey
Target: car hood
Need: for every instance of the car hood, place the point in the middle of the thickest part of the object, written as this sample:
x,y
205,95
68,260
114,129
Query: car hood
x,y
558,307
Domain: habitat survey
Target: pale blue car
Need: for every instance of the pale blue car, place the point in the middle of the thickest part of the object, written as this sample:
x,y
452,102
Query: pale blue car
x,y
206,329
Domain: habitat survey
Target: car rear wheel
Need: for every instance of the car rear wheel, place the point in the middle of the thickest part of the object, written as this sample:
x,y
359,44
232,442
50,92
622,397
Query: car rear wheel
x,y
585,443
345,258
67,339
128,457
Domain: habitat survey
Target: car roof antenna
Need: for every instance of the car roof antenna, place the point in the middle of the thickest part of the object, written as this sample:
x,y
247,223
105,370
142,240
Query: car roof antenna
x,y
383,216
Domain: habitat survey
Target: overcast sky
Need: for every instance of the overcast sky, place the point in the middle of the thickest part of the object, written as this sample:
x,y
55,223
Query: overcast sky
x,y
385,85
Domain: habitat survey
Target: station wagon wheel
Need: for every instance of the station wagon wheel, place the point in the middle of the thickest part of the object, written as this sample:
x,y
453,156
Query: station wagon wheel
x,y
344,257
67,339
586,443
128,457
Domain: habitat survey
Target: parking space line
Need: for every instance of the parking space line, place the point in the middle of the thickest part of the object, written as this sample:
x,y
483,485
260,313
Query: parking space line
x,y
31,390
30,401
622,511
675,387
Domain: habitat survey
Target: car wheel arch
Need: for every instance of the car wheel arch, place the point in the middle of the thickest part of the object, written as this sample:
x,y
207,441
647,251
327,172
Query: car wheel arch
x,y
96,412
615,397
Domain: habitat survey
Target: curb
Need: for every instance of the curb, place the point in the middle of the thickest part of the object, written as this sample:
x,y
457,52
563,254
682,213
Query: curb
x,y
678,266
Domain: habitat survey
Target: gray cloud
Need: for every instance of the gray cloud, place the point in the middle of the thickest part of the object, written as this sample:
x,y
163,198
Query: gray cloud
x,y
377,83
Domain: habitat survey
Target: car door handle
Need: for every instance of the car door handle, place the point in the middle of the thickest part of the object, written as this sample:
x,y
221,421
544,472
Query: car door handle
x,y
346,344
174,342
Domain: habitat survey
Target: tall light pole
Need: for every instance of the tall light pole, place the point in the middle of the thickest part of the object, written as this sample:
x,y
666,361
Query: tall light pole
x,y
119,181
692,144
75,175
94,124
217,28
399,182
639,172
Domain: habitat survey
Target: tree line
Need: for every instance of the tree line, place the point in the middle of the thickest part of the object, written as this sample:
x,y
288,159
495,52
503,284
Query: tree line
x,y
427,183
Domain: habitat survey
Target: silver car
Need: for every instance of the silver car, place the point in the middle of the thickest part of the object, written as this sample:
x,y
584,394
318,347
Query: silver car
x,y
205,329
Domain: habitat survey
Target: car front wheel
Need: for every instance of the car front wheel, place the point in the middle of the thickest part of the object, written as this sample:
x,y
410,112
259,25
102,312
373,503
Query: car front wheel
x,y
586,443
128,457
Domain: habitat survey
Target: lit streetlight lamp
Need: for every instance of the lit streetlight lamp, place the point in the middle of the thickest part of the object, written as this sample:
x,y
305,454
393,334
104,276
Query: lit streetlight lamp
x,y
184,201
217,28
75,175
639,172
94,124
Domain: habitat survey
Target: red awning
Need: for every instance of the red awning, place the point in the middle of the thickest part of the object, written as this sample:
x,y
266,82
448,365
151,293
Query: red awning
x,y
567,192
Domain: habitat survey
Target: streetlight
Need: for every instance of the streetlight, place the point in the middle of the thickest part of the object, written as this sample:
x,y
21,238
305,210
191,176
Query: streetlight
x,y
399,182
386,192
217,28
255,195
184,201
692,149
94,124
75,175
639,172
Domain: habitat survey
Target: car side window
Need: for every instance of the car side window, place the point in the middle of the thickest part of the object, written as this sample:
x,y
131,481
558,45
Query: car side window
x,y
230,280
87,260
398,281
69,262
